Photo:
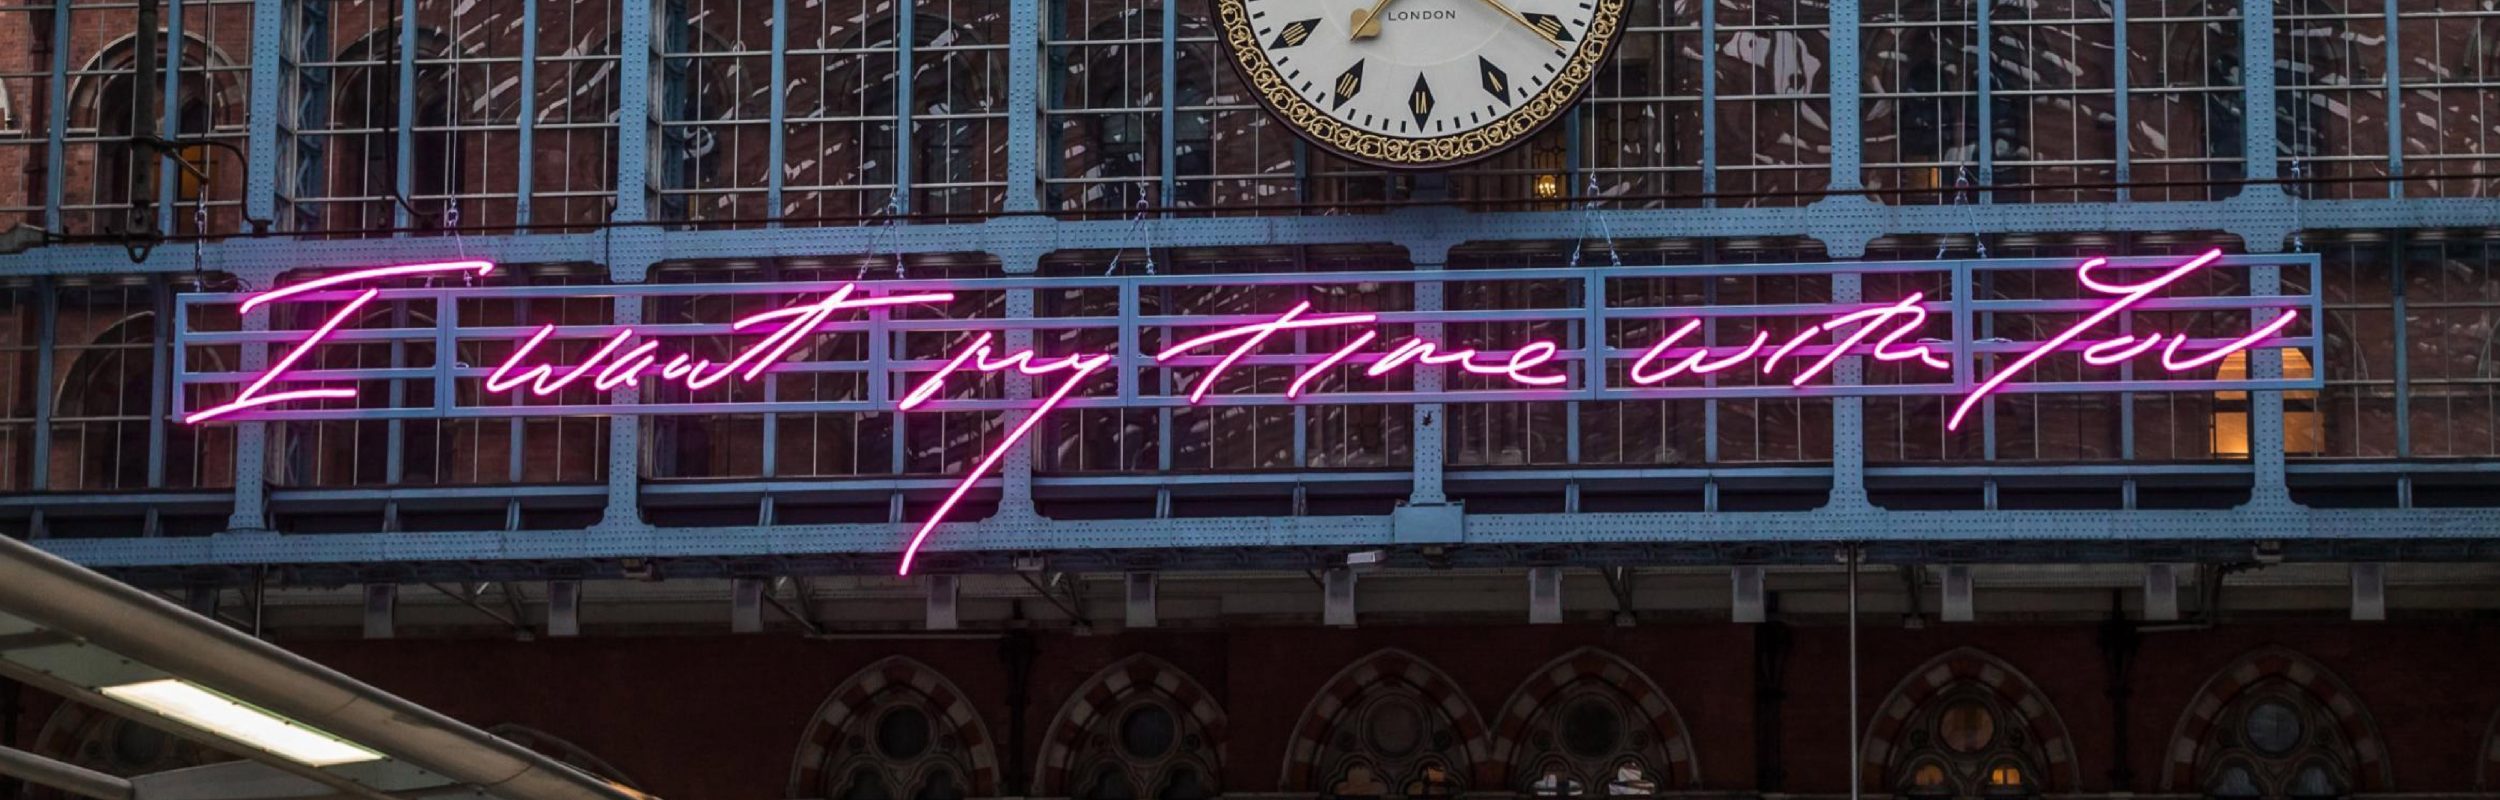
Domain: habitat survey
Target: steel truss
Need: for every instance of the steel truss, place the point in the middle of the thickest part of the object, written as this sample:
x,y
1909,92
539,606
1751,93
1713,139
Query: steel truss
x,y
2261,217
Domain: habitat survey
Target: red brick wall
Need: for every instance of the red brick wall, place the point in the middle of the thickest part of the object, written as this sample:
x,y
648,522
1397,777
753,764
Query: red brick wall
x,y
720,717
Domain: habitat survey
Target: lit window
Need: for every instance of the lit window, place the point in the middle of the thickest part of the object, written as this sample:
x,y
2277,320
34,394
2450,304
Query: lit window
x,y
1927,776
1966,743
2005,776
2304,429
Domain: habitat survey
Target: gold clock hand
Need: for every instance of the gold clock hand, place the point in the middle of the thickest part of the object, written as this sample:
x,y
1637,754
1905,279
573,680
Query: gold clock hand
x,y
1541,33
1366,21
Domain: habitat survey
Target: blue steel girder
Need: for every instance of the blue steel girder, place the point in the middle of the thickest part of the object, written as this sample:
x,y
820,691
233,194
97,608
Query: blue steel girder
x,y
1028,534
2262,217
2262,222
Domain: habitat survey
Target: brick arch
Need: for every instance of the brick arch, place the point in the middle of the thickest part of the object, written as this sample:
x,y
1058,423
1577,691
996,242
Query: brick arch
x,y
2371,770
1107,689
1963,667
853,696
1590,664
1345,690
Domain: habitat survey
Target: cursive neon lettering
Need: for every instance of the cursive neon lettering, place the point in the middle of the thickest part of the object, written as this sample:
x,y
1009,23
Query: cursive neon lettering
x,y
624,356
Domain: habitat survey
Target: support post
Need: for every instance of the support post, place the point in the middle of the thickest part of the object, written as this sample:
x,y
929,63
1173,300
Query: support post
x,y
2257,134
1337,590
2119,643
633,115
1545,606
1958,605
943,592
1750,603
564,608
251,441
2369,592
2161,593
1024,69
1141,600
381,610
624,505
746,605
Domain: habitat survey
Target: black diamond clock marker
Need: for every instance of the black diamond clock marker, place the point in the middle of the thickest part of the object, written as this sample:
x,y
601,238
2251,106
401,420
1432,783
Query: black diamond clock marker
x,y
1550,24
1348,84
1294,34
1496,82
1421,101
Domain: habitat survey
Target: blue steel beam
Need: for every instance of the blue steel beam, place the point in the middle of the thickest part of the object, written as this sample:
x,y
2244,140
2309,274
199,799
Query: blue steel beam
x,y
2080,527
2253,217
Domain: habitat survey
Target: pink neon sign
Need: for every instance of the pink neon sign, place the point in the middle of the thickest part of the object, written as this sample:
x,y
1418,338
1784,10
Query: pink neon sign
x,y
626,358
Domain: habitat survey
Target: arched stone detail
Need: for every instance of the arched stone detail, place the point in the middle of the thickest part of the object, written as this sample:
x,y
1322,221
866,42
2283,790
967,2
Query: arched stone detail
x,y
1346,689
856,694
1968,665
2371,772
1104,692
1584,665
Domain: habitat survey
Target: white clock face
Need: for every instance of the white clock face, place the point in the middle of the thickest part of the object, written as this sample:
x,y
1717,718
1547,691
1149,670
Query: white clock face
x,y
1418,83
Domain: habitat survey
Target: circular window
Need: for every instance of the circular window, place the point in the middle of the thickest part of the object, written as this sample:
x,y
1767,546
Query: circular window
x,y
1396,729
1966,726
1147,732
903,733
1591,728
2273,728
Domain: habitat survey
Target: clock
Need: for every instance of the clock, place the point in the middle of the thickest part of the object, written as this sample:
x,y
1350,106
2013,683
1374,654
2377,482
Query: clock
x,y
1418,84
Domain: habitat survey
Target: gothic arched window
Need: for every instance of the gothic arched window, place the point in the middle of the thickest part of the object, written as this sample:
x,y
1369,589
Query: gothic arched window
x,y
898,748
1590,739
1397,743
106,107
896,730
2275,741
364,169
1147,747
1967,743
1140,728
1388,726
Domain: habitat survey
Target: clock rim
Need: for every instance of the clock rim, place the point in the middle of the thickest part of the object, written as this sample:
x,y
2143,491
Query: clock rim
x,y
1227,12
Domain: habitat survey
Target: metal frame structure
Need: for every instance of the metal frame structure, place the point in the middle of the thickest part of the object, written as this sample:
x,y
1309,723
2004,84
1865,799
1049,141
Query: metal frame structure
x,y
1588,360
2260,214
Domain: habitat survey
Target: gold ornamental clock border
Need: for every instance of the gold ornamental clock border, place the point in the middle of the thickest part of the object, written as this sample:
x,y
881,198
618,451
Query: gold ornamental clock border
x,y
1547,105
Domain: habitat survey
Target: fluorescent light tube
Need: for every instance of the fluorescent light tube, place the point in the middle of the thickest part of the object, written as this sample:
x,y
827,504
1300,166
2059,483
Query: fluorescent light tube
x,y
217,714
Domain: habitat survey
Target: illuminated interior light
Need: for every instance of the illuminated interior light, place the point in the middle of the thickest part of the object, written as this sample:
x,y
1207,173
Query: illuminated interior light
x,y
217,714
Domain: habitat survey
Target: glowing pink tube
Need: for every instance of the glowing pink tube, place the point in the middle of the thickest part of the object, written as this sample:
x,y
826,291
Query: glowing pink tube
x,y
2128,295
977,352
251,396
1697,361
275,295
537,376
1915,317
1304,380
1252,336
2170,353
2116,350
1525,358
